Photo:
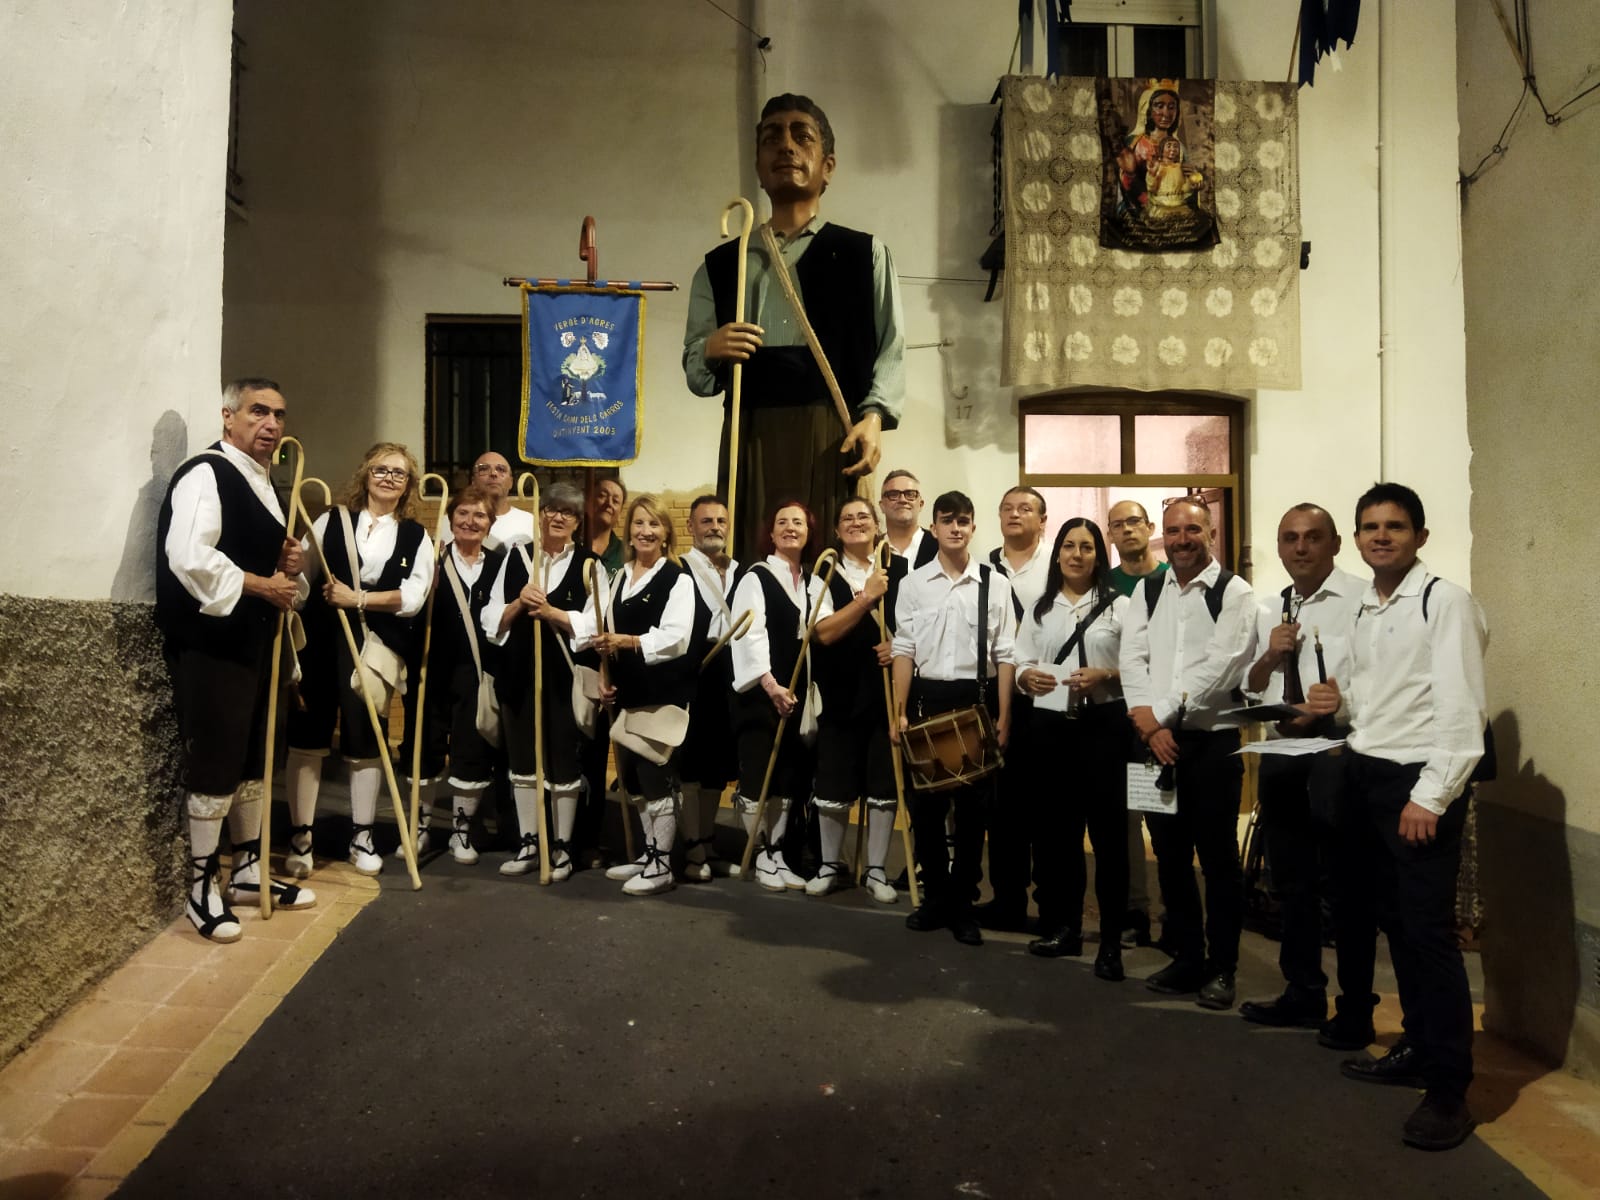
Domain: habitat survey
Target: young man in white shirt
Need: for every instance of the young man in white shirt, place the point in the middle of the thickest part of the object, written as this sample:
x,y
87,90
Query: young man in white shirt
x,y
1187,643
944,612
1302,635
1023,558
1417,714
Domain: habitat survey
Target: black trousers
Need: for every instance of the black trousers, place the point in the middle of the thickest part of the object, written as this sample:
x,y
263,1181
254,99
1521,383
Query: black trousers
x,y
222,717
1011,825
1296,844
1206,824
1410,893
948,885
1077,780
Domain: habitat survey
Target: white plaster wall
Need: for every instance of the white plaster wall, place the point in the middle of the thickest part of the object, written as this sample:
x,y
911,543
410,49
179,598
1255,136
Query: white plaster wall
x,y
113,139
423,153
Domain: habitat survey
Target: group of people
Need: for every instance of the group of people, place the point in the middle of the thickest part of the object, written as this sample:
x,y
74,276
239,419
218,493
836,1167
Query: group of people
x,y
1089,680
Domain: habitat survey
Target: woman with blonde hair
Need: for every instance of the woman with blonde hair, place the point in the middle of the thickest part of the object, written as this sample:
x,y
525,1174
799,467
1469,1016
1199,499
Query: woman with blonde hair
x,y
382,567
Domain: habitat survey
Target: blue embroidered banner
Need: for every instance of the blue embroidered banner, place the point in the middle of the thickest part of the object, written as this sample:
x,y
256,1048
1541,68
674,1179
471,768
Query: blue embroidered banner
x,y
582,374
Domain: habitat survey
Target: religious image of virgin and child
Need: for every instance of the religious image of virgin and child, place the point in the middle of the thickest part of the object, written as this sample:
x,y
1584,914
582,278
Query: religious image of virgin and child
x,y
1155,187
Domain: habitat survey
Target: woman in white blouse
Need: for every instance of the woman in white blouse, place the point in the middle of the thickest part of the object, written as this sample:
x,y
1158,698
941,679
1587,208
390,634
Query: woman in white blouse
x,y
780,594
394,569
655,622
1066,651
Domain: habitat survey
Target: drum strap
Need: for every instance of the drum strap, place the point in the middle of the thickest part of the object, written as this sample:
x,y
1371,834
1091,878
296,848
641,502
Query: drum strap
x,y
983,636
1083,627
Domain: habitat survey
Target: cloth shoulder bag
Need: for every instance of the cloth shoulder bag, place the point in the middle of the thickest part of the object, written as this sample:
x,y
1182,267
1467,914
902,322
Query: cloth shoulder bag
x,y
383,670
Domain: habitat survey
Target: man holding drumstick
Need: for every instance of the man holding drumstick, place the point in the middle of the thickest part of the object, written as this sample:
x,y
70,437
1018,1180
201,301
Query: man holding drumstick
x,y
225,568
792,443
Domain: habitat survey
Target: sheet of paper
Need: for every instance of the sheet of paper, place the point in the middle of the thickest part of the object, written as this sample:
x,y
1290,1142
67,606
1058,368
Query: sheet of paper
x,y
1056,700
1292,747
1143,795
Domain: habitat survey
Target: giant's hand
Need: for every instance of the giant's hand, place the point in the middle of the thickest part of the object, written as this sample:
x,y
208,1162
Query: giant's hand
x,y
865,436
734,342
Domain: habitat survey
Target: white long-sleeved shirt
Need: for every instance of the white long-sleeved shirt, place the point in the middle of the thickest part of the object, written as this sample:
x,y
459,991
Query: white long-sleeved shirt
x,y
1180,650
752,654
713,587
1416,689
1038,642
1328,613
853,573
375,542
553,570
1027,581
207,574
936,622
664,642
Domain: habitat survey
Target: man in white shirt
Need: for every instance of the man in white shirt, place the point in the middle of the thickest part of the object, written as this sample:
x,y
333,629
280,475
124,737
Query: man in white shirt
x,y
1023,559
901,503
493,474
1188,640
945,611
1302,634
225,572
707,762
1417,713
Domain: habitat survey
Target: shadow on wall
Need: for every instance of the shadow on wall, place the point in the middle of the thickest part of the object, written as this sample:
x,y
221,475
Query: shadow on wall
x,y
977,410
1530,957
135,580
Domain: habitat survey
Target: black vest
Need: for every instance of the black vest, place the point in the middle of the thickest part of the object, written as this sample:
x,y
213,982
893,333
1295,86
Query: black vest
x,y
847,672
399,633
514,667
784,622
251,539
834,277
449,647
673,682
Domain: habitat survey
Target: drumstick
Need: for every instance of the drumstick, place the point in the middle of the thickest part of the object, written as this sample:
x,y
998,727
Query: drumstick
x,y
831,557
265,861
379,729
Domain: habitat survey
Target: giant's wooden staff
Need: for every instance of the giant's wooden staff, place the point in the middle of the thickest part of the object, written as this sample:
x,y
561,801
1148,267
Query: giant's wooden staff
x,y
884,554
427,642
748,219
528,489
272,696
379,728
831,557
589,582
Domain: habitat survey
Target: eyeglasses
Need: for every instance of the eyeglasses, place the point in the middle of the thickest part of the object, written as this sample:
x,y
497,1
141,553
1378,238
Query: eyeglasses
x,y
1129,523
399,473
908,494
560,514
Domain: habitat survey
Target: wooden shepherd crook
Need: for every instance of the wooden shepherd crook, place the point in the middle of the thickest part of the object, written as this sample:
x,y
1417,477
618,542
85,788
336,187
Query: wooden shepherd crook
x,y
884,553
272,694
528,489
590,566
379,728
831,557
748,220
427,642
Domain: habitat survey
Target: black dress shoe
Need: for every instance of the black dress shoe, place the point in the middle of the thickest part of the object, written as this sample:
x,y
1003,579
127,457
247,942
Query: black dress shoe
x,y
1063,943
1178,979
1217,992
966,931
1135,930
1401,1067
1441,1122
993,914
1287,1011
925,919
1108,963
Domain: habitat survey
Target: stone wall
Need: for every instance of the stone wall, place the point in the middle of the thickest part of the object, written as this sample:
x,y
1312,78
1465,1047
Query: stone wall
x,y
91,848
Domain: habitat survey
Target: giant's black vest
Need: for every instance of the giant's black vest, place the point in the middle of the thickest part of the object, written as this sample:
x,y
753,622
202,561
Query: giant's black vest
x,y
400,634
251,538
640,686
514,666
834,276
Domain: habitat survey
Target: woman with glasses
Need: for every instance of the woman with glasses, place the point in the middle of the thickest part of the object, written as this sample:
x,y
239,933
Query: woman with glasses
x,y
779,592
853,750
655,630
382,567
521,604
1067,648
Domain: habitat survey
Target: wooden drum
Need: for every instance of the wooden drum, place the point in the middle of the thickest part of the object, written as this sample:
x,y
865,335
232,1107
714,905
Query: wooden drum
x,y
952,749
